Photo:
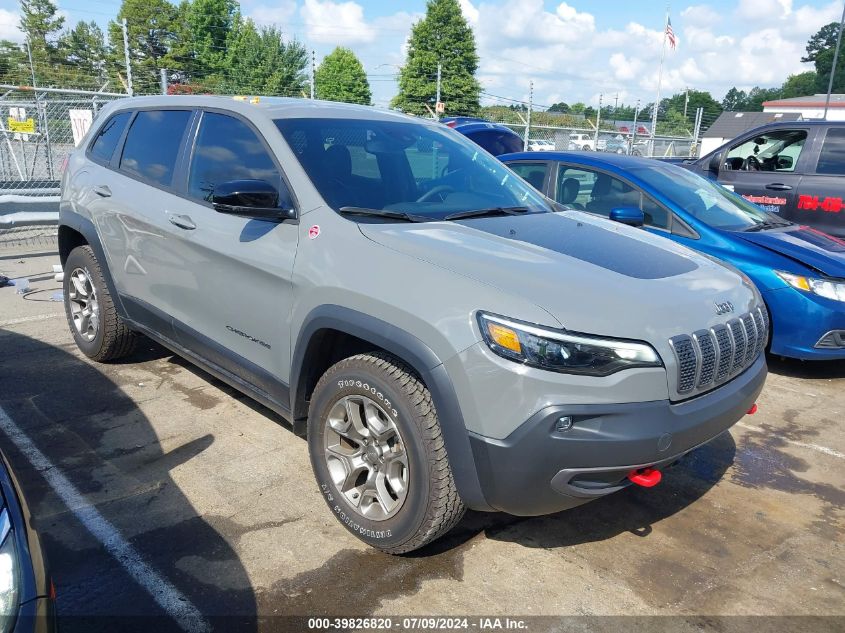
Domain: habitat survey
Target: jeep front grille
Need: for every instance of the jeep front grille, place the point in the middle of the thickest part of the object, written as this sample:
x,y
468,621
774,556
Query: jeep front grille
x,y
710,357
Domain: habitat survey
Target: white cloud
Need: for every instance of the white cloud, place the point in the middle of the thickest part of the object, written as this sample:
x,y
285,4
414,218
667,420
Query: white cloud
x,y
279,14
469,11
763,10
9,26
339,23
700,15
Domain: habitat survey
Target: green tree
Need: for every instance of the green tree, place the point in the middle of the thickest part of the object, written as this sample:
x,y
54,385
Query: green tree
x,y
209,26
41,23
84,47
577,108
260,62
442,36
13,63
561,107
799,85
757,96
341,77
697,99
673,124
735,100
820,51
151,27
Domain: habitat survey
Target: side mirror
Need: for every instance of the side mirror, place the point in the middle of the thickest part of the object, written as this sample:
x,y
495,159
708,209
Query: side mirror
x,y
715,163
251,199
784,162
632,216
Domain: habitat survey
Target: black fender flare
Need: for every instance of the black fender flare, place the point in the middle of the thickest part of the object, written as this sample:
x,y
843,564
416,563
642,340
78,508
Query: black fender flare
x,y
86,229
423,360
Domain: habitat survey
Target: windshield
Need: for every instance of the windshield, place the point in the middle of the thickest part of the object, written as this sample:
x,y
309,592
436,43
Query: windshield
x,y
704,199
425,171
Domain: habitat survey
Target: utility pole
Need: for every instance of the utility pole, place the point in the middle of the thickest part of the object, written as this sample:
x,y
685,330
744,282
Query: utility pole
x,y
615,105
634,135
528,118
162,79
686,101
598,121
129,88
833,68
699,115
437,94
313,71
31,65
659,80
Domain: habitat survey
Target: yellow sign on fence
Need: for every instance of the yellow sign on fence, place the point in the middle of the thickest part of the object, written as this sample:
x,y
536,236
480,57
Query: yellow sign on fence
x,y
22,127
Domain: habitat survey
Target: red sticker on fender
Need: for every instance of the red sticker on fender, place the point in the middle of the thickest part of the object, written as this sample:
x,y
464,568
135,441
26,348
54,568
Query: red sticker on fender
x,y
314,231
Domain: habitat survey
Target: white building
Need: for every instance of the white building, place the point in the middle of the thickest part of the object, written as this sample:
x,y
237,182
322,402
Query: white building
x,y
811,107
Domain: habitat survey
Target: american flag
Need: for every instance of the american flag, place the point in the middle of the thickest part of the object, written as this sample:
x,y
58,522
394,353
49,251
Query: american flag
x,y
670,33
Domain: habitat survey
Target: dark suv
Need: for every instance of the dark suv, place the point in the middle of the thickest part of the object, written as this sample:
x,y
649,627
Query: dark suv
x,y
793,168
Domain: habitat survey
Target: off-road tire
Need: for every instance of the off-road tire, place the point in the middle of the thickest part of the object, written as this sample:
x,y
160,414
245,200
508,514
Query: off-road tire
x,y
432,505
113,339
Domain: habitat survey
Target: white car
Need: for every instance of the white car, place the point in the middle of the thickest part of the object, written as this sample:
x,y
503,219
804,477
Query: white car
x,y
540,145
582,141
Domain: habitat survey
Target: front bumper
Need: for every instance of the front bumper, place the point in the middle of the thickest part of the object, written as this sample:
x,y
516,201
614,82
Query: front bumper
x,y
799,319
538,470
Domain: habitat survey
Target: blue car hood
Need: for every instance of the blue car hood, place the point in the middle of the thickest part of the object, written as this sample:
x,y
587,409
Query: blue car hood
x,y
808,246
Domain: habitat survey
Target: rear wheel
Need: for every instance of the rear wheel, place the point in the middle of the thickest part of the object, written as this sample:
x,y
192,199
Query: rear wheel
x,y
99,331
378,455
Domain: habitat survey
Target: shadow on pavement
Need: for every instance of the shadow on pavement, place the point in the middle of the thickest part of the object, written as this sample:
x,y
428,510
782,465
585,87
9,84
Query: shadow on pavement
x,y
97,437
812,369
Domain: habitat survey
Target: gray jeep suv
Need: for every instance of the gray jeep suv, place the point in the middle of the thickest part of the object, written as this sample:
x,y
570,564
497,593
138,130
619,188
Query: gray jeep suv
x,y
446,337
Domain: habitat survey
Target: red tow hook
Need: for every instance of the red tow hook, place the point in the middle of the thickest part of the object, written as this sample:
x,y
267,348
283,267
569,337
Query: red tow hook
x,y
752,410
645,477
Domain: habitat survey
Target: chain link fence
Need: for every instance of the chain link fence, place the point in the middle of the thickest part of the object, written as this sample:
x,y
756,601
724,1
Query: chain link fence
x,y
38,131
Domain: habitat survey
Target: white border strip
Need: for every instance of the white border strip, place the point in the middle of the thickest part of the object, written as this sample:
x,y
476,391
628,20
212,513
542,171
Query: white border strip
x,y
167,596
37,317
813,447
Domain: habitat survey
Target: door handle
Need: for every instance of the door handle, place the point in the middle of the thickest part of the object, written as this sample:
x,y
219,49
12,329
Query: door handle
x,y
103,191
182,221
778,186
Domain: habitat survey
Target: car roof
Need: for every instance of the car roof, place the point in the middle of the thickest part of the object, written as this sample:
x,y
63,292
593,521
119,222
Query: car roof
x,y
471,128
594,159
271,107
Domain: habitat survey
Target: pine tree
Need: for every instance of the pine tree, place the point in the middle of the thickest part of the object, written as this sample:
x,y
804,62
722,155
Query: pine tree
x,y
341,77
41,23
260,62
151,26
442,36
209,25
84,47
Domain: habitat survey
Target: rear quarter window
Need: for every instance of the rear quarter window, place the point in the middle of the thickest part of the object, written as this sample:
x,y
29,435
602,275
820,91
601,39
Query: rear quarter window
x,y
105,142
832,155
153,143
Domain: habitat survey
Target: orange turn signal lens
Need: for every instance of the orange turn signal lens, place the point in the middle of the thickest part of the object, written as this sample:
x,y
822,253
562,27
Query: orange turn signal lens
x,y
504,337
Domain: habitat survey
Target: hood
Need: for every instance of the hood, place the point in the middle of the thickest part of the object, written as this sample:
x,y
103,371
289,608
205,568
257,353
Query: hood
x,y
592,275
809,246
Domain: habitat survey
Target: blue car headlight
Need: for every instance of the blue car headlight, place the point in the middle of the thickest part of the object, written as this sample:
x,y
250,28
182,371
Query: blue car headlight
x,y
564,352
827,288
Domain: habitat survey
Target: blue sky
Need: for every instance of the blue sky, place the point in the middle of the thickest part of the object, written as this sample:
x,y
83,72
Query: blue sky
x,y
572,51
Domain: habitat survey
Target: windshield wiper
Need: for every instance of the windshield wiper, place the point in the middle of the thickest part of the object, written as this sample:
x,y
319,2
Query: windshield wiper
x,y
384,213
477,213
768,224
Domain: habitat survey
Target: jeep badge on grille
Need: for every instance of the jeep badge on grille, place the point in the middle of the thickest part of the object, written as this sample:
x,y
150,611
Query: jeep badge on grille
x,y
724,307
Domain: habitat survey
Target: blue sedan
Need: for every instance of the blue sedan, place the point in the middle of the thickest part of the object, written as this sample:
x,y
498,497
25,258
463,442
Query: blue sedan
x,y
800,271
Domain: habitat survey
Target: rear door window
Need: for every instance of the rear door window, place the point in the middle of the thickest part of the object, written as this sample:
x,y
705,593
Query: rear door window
x,y
152,145
532,173
108,136
832,156
228,149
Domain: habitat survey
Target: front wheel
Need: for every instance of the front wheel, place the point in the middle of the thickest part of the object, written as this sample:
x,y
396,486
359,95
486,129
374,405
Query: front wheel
x,y
586,148
99,331
378,455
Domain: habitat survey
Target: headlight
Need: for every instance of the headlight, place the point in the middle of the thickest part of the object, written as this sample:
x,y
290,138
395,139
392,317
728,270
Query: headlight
x,y
562,351
823,287
8,574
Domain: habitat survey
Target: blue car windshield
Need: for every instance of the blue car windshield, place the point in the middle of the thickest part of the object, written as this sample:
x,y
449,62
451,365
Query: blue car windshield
x,y
703,199
402,167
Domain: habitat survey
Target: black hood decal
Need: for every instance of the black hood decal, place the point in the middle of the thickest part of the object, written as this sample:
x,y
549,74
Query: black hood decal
x,y
590,243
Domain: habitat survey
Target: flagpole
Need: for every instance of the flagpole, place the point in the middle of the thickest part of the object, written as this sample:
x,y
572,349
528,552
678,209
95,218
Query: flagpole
x,y
659,80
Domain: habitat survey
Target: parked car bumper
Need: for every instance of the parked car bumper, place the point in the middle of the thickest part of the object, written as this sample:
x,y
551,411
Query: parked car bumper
x,y
800,319
539,469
